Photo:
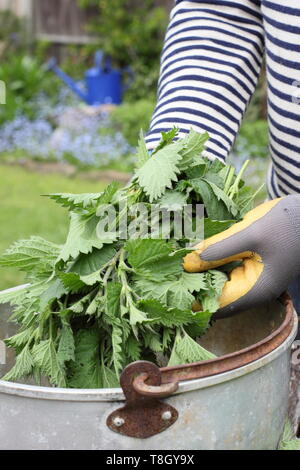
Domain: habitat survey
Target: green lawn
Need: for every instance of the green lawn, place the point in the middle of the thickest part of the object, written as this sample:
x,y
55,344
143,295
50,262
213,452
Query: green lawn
x,y
23,212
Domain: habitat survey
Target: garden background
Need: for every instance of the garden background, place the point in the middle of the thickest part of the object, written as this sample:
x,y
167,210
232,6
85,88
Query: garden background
x,y
50,141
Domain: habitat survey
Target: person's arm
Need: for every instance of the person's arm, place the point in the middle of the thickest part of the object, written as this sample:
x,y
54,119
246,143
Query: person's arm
x,y
209,69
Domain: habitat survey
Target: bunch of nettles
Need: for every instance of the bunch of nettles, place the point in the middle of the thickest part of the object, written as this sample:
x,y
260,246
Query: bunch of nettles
x,y
93,305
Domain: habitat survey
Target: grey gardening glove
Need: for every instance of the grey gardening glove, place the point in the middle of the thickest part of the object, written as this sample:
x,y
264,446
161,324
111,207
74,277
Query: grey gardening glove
x,y
267,241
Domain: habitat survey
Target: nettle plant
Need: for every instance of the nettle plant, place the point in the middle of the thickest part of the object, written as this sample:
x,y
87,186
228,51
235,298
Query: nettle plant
x,y
97,303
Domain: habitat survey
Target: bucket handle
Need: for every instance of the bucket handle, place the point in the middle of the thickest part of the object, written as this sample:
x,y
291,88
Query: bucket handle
x,y
143,382
143,416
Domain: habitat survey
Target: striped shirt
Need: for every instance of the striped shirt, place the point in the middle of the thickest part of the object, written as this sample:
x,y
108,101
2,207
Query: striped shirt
x,y
210,65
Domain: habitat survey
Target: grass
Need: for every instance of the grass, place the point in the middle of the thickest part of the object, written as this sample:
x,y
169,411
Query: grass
x,y
23,212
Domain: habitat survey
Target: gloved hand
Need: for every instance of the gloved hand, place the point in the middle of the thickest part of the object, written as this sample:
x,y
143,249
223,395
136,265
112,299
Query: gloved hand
x,y
268,242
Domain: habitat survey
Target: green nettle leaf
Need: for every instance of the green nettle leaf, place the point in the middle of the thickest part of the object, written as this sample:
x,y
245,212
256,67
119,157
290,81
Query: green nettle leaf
x,y
197,171
167,338
142,152
82,237
108,194
136,315
188,351
31,255
116,338
194,144
153,342
215,282
46,359
84,201
66,347
108,378
89,266
81,304
23,367
177,293
200,325
217,279
210,302
153,259
76,201
21,338
215,208
288,440
159,171
244,200
86,370
221,196
167,138
93,306
71,281
13,296
96,303
172,200
180,296
154,290
113,293
212,227
157,313
54,290
193,282
143,252
133,348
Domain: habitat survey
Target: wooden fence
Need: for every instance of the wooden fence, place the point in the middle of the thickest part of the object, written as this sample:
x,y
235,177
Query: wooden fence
x,y
61,21
58,21
19,7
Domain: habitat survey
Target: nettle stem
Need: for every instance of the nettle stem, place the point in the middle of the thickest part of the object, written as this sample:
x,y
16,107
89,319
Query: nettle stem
x,y
110,266
122,270
235,187
229,177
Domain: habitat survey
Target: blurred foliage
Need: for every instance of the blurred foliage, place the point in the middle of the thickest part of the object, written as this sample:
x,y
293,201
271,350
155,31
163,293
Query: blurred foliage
x,y
131,32
130,118
253,138
25,77
21,68
76,58
257,108
10,25
14,39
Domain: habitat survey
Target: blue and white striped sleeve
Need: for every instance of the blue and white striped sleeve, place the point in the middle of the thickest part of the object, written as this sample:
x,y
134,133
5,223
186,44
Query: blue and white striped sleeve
x,y
210,65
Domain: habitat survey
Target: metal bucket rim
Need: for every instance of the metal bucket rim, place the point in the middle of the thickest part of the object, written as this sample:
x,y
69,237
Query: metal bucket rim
x,y
111,395
116,394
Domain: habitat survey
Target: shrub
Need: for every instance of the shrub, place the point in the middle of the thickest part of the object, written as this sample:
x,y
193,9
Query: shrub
x,y
23,77
130,118
131,32
252,140
10,24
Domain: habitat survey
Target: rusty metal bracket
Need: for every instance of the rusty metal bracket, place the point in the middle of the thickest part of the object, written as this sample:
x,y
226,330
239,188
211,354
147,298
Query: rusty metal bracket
x,y
143,382
143,415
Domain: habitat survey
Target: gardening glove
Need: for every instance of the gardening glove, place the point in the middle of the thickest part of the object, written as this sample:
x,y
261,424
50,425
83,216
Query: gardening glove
x,y
267,241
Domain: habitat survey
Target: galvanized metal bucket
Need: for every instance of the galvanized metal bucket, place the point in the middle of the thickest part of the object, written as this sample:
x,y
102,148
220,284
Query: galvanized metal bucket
x,y
237,401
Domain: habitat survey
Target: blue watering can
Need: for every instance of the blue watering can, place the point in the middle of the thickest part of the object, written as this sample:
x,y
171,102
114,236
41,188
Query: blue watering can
x,y
104,85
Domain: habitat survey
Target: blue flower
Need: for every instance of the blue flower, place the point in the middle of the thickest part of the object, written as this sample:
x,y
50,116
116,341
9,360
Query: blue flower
x,y
87,138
